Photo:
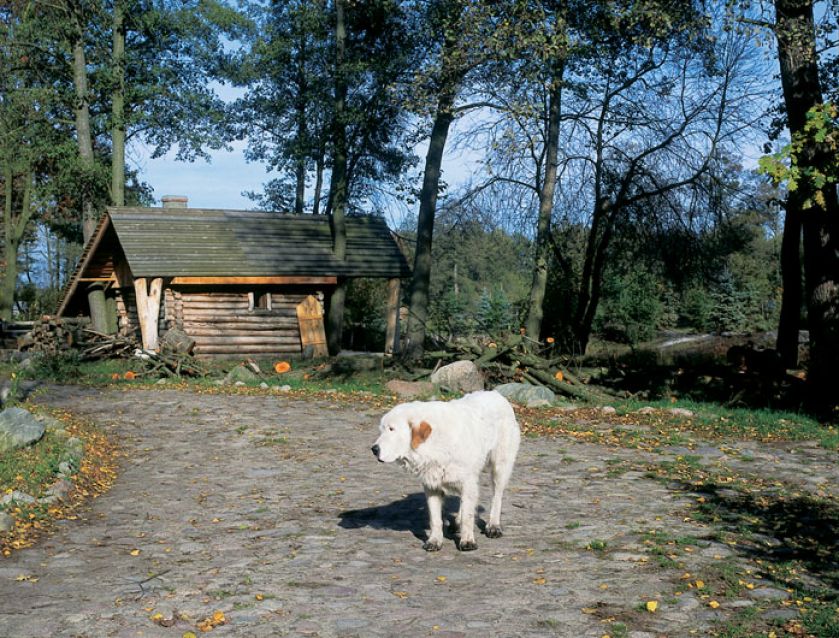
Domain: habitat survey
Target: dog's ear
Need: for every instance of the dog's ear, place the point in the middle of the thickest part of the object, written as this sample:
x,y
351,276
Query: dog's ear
x,y
419,434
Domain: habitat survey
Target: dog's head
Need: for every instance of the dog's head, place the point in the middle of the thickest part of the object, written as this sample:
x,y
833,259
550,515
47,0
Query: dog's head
x,y
400,433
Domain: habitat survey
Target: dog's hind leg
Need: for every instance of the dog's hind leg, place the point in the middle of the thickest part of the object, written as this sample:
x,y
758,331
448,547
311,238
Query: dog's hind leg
x,y
501,467
434,498
468,503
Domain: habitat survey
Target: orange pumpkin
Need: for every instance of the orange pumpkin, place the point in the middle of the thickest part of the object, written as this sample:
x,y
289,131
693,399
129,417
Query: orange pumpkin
x,y
549,340
559,376
129,376
115,376
281,367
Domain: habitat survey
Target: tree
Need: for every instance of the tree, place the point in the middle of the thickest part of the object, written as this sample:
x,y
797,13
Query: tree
x,y
650,97
812,202
30,141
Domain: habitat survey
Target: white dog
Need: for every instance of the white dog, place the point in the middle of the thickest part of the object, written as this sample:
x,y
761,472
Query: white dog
x,y
447,444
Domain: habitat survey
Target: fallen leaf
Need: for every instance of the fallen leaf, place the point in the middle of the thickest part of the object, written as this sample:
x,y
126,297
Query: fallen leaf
x,y
713,604
401,595
134,552
652,605
700,584
441,579
539,581
259,597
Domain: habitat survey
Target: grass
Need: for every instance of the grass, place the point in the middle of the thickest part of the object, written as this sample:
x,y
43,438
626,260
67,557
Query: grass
x,y
32,469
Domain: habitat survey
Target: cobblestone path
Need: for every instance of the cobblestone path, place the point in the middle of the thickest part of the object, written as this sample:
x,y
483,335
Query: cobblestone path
x,y
273,511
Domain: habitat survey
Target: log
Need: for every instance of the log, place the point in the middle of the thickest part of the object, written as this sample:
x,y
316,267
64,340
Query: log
x,y
249,340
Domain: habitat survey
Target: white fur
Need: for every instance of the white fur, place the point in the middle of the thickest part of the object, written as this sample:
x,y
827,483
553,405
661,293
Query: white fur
x,y
467,435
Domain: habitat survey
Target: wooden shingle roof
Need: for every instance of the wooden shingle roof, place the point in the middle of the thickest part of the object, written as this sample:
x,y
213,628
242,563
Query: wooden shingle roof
x,y
200,242
197,242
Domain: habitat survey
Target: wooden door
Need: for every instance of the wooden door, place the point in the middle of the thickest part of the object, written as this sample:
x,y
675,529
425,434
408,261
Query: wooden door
x,y
312,333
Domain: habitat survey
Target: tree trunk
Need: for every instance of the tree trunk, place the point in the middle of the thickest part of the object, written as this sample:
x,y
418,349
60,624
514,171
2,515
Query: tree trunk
x,y
338,185
795,33
301,145
84,135
13,229
418,293
535,312
118,107
790,317
318,183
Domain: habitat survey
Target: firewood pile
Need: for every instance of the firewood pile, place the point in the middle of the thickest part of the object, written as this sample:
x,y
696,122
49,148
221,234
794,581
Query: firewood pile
x,y
518,358
56,335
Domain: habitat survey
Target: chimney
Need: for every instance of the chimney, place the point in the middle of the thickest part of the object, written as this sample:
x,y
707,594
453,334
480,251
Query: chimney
x,y
174,201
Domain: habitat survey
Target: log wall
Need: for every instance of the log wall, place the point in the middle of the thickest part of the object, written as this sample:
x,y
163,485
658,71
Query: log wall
x,y
222,324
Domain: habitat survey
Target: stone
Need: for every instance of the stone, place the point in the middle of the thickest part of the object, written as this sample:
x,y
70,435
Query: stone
x,y
161,382
526,394
240,374
647,409
65,468
75,448
768,593
460,376
780,614
608,409
7,522
410,389
50,424
19,428
239,384
17,497
281,388
60,489
680,412
263,385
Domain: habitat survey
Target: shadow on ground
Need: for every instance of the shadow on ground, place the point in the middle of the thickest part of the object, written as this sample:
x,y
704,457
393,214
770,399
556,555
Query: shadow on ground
x,y
780,528
409,514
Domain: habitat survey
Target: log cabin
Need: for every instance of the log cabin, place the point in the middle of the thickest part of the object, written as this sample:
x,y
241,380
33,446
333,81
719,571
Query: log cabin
x,y
240,283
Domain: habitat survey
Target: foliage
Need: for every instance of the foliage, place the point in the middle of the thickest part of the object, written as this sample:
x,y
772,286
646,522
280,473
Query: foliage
x,y
793,167
632,308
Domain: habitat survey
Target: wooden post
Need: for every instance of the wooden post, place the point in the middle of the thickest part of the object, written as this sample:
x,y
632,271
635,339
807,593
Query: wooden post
x,y
392,331
148,309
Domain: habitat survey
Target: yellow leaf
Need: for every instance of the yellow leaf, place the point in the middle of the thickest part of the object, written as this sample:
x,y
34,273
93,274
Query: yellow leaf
x,y
259,597
189,634
157,616
401,595
713,604
218,617
652,605
441,579
772,634
700,584
539,581
134,552
603,586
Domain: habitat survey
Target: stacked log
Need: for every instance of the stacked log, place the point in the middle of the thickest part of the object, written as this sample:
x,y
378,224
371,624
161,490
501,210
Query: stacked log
x,y
56,335
224,324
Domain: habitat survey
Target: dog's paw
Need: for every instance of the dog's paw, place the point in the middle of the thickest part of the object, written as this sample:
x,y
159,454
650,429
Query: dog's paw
x,y
493,531
467,546
432,546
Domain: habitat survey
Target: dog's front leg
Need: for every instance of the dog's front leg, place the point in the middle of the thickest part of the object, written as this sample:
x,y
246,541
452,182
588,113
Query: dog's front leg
x,y
468,503
435,519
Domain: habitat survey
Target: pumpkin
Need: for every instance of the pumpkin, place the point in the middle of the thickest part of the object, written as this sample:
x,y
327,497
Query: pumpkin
x,y
281,367
559,376
115,376
129,376
549,340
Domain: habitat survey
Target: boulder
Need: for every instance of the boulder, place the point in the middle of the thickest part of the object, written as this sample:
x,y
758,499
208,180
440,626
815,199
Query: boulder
x,y
175,341
50,424
409,389
7,522
240,374
19,428
526,394
17,496
460,376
